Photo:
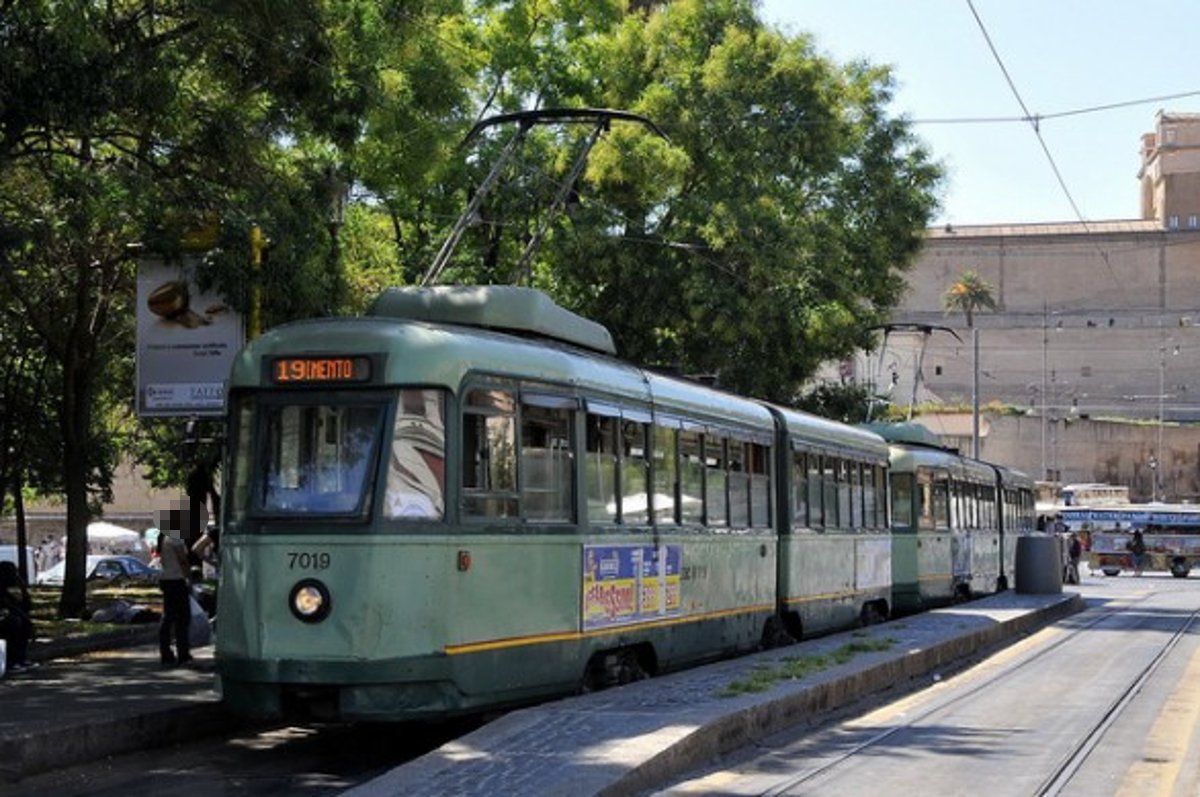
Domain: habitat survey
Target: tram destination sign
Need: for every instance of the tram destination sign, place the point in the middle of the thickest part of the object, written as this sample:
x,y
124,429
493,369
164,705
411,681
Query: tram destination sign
x,y
322,370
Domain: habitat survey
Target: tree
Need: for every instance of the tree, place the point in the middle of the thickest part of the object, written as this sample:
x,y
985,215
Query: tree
x,y
120,125
968,295
765,236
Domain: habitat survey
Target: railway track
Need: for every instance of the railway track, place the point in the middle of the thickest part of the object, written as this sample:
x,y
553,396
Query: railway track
x,y
867,745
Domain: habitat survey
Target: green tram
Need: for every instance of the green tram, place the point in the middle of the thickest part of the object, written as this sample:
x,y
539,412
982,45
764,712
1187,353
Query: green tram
x,y
954,520
463,501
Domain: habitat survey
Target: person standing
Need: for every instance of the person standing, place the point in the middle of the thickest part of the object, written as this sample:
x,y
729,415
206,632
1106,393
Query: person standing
x,y
1137,547
177,614
1074,552
16,627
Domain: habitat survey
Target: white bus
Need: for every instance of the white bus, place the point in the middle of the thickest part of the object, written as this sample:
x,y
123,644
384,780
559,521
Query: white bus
x,y
1171,533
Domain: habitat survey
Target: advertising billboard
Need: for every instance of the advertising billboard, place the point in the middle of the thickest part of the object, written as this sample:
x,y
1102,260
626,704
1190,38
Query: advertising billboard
x,y
186,342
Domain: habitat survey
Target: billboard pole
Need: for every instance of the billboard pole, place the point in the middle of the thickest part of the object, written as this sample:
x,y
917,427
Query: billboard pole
x,y
258,244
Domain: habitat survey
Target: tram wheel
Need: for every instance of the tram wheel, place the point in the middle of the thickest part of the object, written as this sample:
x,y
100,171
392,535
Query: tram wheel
x,y
873,613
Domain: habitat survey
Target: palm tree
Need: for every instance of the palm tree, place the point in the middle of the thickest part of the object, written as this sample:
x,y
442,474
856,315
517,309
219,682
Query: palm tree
x,y
972,292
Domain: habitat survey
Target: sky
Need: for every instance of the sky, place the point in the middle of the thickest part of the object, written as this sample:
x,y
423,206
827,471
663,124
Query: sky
x,y
1061,56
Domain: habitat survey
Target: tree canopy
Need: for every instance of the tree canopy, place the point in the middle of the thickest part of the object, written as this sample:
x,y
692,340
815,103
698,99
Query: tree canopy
x,y
765,235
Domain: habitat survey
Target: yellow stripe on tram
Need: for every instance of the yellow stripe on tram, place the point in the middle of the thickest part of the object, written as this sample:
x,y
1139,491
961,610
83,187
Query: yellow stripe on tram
x,y
568,636
827,596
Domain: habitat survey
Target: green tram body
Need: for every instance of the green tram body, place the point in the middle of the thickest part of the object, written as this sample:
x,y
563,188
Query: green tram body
x,y
463,501
954,521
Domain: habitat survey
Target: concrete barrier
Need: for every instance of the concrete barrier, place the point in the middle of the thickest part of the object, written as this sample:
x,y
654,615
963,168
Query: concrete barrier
x,y
1039,566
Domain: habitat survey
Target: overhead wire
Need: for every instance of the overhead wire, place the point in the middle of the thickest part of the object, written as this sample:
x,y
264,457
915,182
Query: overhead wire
x,y
1035,125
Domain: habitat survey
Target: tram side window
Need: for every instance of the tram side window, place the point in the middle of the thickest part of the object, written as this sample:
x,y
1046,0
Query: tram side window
x,y
856,495
925,503
240,481
546,464
845,520
601,460
870,498
830,469
489,466
635,467
881,504
816,492
416,477
666,475
715,481
988,504
941,502
739,485
799,489
758,458
902,500
691,478
959,517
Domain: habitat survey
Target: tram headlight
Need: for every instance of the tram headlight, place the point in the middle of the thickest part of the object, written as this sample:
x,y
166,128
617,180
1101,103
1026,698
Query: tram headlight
x,y
310,601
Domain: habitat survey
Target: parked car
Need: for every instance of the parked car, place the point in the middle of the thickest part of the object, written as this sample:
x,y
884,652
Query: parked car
x,y
104,568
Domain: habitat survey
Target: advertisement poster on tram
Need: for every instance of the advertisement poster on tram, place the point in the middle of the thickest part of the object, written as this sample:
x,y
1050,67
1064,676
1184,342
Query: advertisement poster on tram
x,y
186,341
630,583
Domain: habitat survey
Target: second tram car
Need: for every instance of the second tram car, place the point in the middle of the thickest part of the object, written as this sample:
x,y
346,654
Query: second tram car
x,y
463,501
954,520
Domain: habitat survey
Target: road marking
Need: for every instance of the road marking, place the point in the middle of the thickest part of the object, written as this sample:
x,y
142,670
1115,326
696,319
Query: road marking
x,y
1169,740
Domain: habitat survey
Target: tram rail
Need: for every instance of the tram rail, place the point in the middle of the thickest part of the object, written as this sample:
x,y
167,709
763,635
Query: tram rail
x,y
1063,773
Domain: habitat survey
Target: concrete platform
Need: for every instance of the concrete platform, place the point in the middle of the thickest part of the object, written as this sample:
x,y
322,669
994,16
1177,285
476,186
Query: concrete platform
x,y
73,710
627,740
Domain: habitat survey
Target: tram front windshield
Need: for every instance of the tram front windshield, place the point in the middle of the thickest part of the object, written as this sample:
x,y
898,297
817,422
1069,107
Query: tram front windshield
x,y
321,456
318,458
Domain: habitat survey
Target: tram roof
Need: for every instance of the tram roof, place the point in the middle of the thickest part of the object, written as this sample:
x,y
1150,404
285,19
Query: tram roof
x,y
503,307
445,354
906,458
826,433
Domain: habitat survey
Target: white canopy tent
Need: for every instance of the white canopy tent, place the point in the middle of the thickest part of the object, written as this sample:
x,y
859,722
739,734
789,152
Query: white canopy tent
x,y
109,538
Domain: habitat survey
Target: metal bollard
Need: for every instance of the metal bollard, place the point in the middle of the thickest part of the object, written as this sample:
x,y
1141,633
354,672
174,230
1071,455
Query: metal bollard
x,y
1038,569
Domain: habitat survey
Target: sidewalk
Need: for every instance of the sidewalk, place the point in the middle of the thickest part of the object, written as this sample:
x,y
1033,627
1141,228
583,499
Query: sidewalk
x,y
625,741
71,710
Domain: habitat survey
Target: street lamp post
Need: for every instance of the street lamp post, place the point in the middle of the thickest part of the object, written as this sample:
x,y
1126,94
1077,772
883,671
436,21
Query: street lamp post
x,y
1162,386
975,393
1045,358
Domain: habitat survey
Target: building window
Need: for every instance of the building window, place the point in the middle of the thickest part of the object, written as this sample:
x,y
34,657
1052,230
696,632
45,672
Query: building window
x,y
1192,222
1173,222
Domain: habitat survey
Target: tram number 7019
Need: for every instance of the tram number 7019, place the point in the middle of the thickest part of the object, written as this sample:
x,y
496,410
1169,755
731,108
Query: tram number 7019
x,y
304,560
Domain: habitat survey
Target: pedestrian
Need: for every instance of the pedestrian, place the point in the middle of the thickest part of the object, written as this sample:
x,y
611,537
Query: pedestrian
x,y
176,617
1137,548
16,623
1074,552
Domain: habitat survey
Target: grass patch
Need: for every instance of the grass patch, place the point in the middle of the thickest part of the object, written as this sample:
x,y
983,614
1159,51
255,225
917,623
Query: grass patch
x,y
763,676
49,626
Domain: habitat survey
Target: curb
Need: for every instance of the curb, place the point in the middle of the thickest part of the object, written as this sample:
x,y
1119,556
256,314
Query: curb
x,y
40,751
739,728
69,647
